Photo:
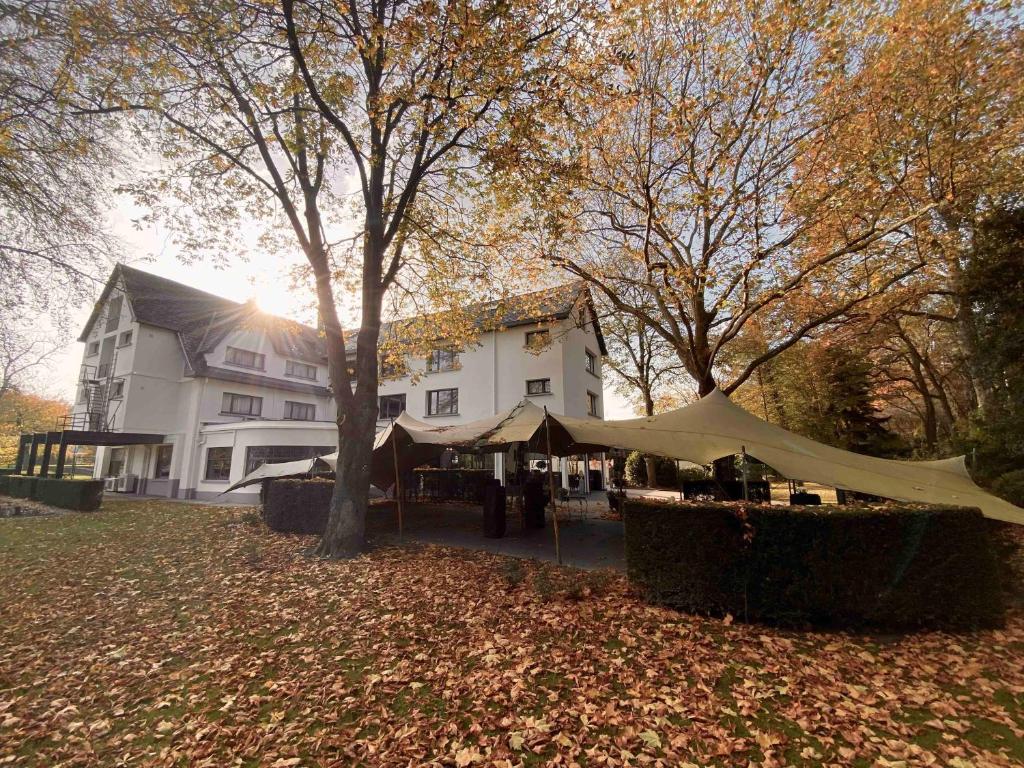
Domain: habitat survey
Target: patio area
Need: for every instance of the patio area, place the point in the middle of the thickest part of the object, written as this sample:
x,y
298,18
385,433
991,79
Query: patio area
x,y
588,539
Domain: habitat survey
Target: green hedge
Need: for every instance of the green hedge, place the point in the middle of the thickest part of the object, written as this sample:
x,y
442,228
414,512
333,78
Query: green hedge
x,y
81,495
21,486
895,567
297,506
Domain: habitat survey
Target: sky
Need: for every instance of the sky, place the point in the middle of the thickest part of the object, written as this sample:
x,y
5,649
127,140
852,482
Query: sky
x,y
151,248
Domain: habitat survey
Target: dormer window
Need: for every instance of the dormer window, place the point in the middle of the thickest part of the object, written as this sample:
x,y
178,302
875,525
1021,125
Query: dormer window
x,y
300,370
244,358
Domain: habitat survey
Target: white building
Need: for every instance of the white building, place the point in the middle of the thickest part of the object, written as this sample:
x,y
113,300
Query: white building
x,y
218,387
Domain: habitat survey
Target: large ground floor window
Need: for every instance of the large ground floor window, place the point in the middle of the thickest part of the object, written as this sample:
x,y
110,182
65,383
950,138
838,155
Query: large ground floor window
x,y
258,455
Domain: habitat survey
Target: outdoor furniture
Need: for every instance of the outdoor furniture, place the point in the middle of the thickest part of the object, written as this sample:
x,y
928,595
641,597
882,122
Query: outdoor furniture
x,y
578,496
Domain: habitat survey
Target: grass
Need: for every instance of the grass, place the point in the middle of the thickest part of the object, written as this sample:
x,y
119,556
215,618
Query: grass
x,y
156,633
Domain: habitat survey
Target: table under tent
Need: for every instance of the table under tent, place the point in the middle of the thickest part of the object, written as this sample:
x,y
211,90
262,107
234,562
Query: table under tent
x,y
709,429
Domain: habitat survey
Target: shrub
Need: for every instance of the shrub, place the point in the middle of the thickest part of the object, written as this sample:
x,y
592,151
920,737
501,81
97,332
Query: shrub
x,y
81,495
297,506
4,485
1011,487
895,567
21,486
665,472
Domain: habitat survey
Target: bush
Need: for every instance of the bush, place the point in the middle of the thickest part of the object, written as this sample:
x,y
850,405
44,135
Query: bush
x,y
297,506
4,485
1011,487
21,486
81,495
665,472
896,567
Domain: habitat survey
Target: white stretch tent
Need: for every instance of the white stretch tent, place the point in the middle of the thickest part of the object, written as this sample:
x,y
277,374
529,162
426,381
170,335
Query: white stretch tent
x,y
709,429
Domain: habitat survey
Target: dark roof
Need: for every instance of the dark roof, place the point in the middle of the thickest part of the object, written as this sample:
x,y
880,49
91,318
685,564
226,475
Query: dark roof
x,y
202,319
538,307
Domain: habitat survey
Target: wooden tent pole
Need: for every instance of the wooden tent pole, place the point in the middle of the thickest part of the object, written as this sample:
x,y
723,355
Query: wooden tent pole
x,y
551,488
398,478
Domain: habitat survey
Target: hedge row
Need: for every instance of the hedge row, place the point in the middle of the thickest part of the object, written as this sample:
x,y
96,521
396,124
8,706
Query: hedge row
x,y
81,495
297,506
895,567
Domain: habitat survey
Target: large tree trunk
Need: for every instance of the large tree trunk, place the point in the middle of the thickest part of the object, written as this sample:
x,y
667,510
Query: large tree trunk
x,y
345,533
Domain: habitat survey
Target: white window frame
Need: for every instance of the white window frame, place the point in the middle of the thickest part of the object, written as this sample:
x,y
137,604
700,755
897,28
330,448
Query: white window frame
x,y
593,403
591,362
122,342
93,349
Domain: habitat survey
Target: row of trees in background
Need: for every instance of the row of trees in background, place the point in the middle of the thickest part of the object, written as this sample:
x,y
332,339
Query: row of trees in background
x,y
798,203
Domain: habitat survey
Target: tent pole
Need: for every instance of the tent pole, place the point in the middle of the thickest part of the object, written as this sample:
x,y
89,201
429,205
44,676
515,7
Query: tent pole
x,y
743,469
551,488
398,478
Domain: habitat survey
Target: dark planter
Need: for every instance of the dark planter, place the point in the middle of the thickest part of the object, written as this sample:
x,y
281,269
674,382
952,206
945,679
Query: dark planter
x,y
494,511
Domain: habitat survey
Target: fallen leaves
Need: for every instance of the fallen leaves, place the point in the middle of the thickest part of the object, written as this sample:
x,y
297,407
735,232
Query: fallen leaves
x,y
199,639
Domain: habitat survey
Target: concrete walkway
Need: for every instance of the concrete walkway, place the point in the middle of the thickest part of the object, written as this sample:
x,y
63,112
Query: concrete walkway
x,y
590,542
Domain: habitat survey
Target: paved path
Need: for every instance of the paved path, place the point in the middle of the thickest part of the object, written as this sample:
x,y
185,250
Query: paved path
x,y
585,543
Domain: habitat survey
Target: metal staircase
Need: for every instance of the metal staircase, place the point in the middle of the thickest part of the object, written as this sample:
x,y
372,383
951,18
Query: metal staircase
x,y
96,411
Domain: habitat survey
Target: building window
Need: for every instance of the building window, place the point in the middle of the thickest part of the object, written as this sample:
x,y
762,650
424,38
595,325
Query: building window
x,y
117,389
258,455
162,467
242,405
392,369
591,404
591,362
443,360
218,463
299,411
114,313
390,406
443,402
116,466
300,370
244,358
537,340
538,387
125,340
94,348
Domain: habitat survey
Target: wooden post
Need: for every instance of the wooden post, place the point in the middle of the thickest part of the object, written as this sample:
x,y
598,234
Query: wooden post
x,y
551,488
18,462
398,478
743,469
31,470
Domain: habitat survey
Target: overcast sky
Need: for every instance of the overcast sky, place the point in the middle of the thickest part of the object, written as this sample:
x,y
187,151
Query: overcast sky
x,y
260,278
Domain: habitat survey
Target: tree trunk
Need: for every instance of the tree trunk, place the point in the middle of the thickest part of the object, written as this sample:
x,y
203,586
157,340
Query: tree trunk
x,y
345,533
652,475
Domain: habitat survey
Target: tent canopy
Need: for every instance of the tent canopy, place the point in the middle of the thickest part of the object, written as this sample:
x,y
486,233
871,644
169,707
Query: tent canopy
x,y
707,430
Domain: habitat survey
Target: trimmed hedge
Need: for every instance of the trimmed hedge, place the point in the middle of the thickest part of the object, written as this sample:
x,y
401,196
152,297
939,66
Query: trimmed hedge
x,y
21,486
895,567
80,495
297,506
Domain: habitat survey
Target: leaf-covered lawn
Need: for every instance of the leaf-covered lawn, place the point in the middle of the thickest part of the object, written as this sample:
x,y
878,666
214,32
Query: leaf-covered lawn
x,y
166,634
